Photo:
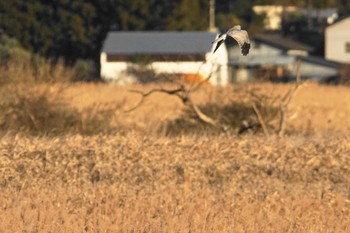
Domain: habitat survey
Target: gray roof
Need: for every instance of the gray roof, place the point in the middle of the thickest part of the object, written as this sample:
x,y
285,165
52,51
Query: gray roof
x,y
157,42
281,42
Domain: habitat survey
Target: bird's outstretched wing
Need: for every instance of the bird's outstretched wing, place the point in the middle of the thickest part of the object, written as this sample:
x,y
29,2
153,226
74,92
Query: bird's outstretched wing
x,y
218,44
242,38
245,49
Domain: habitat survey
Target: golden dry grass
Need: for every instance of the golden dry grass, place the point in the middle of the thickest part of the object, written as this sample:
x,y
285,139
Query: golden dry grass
x,y
137,179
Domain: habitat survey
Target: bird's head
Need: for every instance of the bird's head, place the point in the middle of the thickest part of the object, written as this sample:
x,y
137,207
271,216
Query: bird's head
x,y
237,27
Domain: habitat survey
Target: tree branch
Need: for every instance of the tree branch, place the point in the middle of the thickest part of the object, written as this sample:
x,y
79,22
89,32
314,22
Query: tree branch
x,y
182,94
202,116
261,120
288,98
144,95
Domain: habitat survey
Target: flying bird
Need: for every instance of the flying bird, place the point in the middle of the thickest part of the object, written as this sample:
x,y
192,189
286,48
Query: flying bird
x,y
241,36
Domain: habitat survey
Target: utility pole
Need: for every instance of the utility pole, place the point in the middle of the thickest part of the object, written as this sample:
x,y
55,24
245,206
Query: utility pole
x,y
212,27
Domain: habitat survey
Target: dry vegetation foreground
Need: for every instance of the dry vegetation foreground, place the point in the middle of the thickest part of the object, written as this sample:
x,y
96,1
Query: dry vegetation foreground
x,y
149,175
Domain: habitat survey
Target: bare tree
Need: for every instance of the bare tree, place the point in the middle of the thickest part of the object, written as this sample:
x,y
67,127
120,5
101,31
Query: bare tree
x,y
183,92
288,97
262,102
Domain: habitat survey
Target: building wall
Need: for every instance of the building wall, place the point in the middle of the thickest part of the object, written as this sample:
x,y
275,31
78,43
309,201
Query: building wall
x,y
337,41
256,50
218,65
214,66
262,55
317,72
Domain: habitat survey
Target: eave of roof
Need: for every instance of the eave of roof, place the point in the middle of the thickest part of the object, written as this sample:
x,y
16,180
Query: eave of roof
x,y
158,42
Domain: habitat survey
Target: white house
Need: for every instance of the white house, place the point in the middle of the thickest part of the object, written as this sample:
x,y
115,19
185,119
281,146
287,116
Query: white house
x,y
163,52
276,57
337,41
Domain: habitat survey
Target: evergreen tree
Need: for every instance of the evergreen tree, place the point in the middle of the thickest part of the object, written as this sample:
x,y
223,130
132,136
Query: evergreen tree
x,y
189,15
54,29
76,29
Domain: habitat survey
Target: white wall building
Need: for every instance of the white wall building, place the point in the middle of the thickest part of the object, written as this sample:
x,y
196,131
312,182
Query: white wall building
x,y
337,41
175,53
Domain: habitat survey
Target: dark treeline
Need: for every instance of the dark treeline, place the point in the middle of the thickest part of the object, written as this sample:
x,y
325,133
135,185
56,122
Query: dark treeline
x,y
75,30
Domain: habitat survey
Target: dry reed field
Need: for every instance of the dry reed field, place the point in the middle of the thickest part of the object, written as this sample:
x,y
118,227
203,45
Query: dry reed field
x,y
74,159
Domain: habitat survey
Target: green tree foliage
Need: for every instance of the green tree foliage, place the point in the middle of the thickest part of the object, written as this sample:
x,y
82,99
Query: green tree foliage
x,y
345,7
189,15
226,20
58,28
12,53
76,29
240,8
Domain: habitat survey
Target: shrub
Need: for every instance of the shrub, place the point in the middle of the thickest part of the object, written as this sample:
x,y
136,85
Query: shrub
x,y
40,110
84,70
20,65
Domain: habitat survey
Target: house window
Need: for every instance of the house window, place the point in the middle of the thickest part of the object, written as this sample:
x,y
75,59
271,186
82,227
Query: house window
x,y
347,47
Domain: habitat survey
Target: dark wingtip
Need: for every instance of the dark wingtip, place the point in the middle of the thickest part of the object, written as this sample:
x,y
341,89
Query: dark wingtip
x,y
245,49
218,45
